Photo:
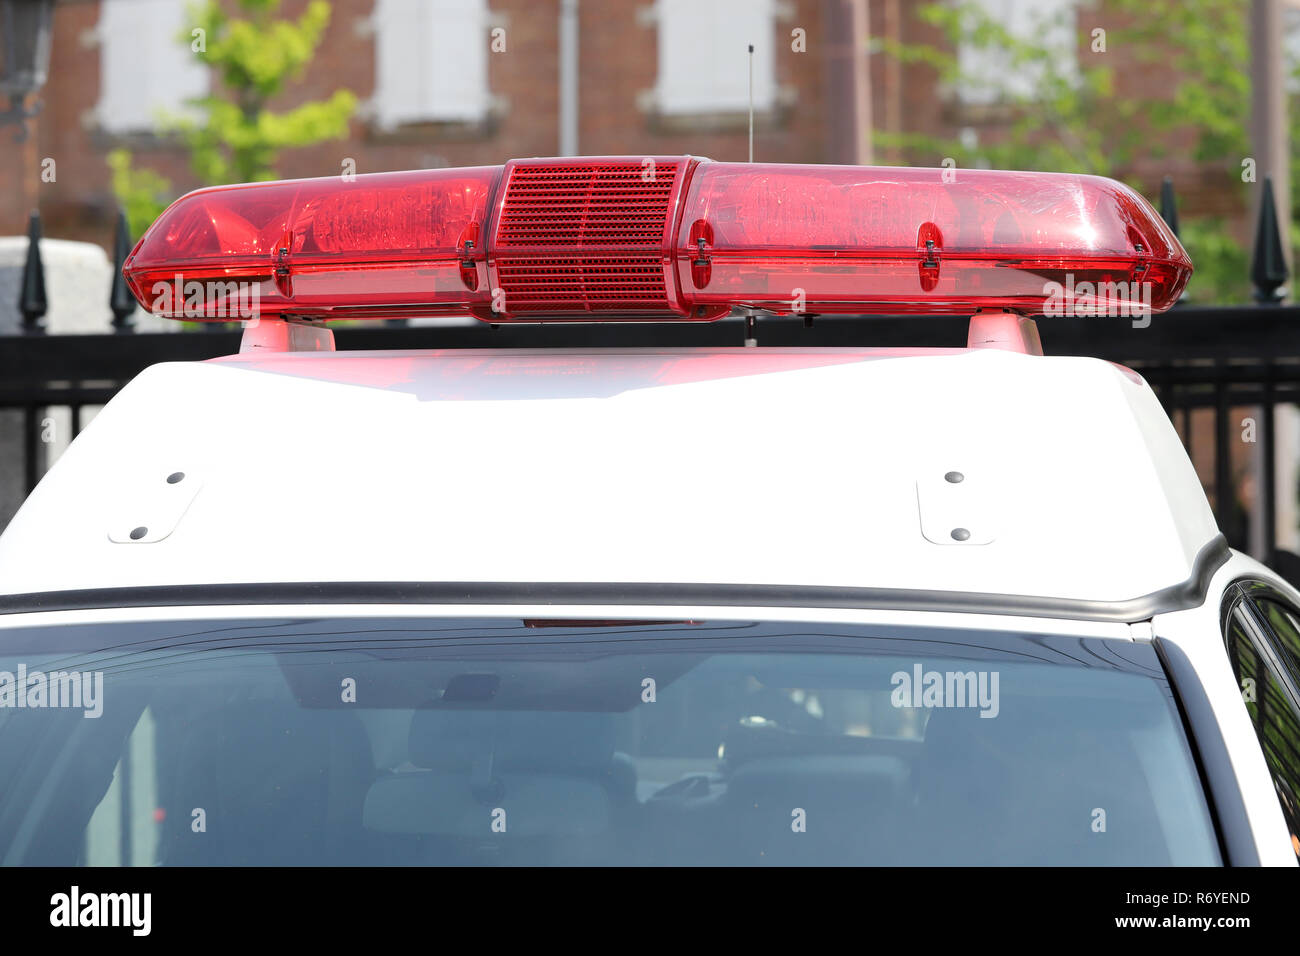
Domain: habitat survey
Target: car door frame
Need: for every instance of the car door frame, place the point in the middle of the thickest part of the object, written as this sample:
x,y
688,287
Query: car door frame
x,y
1243,594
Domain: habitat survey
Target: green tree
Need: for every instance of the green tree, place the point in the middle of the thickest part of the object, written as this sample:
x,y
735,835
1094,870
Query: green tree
x,y
1074,121
142,193
234,136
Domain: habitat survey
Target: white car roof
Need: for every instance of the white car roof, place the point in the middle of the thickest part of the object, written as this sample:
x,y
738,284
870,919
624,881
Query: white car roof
x,y
792,476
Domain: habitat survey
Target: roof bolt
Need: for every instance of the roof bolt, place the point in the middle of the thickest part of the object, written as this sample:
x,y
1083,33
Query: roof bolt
x,y
960,534
175,476
139,533
954,477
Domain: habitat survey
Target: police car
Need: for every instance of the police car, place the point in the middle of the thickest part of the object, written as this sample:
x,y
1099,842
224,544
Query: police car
x,y
643,606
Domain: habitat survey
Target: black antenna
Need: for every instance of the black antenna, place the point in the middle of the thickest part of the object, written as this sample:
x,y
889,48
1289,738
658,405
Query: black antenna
x,y
751,102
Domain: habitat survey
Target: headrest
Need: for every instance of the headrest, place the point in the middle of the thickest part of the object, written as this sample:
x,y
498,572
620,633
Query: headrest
x,y
441,738
534,805
960,736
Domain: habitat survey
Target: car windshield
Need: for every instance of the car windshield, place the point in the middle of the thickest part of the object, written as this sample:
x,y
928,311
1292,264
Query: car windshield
x,y
429,740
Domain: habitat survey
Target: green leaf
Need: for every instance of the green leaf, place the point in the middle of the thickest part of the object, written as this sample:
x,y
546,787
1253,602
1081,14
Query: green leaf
x,y
231,135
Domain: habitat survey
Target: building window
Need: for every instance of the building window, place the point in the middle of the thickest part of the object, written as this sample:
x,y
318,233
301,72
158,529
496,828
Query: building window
x,y
1291,46
430,61
704,55
992,73
147,70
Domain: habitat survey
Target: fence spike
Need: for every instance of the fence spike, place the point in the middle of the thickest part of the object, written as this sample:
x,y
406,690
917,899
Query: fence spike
x,y
1168,207
32,303
1268,269
120,300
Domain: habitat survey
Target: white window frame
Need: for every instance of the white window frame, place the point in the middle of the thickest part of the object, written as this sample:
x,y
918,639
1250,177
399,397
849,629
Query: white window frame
x,y
703,56
146,70
431,62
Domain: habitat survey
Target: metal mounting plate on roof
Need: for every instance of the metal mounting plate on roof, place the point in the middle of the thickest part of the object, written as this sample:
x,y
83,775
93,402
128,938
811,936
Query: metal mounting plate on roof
x,y
151,505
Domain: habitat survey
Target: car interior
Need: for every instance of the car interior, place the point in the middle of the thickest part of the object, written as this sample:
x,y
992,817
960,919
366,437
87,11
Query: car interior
x,y
772,758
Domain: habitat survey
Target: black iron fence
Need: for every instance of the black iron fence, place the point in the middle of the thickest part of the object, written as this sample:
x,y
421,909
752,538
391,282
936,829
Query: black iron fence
x,y
1212,368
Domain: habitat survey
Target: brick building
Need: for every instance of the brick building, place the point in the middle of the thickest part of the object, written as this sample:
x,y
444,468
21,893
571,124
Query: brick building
x,y
461,82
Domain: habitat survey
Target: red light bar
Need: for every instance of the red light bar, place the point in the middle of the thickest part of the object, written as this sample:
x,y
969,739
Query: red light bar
x,y
380,244
659,239
589,238
859,239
